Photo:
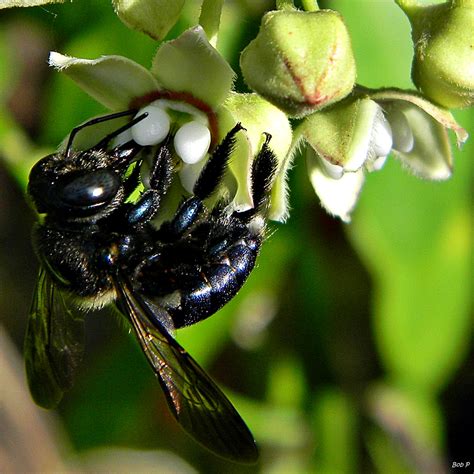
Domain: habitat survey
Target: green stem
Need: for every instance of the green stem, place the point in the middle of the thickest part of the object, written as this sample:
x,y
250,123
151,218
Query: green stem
x,y
210,19
310,5
408,5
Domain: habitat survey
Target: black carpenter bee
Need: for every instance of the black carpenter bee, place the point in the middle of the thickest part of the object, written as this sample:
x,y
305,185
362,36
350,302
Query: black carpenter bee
x,y
97,248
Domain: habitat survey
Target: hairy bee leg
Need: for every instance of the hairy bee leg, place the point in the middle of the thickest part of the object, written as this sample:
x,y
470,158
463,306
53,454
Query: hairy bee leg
x,y
161,171
264,169
232,255
213,172
211,176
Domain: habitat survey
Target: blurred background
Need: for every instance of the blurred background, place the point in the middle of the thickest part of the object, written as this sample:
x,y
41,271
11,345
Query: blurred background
x,y
348,350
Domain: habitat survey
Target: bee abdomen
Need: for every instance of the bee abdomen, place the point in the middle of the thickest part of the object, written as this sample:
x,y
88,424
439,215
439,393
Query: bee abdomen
x,y
216,284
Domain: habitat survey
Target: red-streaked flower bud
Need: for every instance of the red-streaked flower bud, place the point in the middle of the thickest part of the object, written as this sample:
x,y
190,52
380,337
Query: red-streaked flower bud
x,y
300,61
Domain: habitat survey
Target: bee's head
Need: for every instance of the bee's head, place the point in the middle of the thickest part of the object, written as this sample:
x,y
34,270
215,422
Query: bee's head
x,y
84,186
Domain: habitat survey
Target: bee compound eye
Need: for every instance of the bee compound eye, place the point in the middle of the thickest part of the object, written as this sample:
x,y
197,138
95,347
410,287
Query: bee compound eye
x,y
91,189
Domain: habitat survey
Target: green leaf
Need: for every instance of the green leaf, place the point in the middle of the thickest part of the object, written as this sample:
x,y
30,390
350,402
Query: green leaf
x,y
335,425
415,240
411,430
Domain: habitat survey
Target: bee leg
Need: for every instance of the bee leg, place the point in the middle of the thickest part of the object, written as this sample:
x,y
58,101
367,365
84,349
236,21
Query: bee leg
x,y
161,171
132,181
264,168
213,171
211,175
184,219
148,204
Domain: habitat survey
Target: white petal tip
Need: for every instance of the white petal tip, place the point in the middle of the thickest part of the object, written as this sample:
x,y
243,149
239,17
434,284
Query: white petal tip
x,y
331,170
58,60
338,196
189,174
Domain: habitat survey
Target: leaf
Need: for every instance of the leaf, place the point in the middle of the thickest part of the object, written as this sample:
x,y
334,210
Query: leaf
x,y
415,240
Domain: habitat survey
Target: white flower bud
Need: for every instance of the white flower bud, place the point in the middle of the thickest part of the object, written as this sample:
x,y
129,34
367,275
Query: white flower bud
x,y
192,142
152,129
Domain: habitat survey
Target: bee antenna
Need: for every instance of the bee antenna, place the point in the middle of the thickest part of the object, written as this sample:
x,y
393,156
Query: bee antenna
x,y
95,121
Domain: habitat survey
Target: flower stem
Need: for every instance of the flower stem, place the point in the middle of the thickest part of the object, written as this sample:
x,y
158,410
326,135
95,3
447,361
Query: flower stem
x,y
310,5
407,5
210,19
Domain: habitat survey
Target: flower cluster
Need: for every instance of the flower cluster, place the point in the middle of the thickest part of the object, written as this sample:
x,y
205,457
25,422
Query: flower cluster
x,y
195,102
301,67
302,62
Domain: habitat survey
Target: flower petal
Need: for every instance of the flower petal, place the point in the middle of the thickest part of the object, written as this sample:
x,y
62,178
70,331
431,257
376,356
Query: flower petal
x,y
258,117
114,81
241,161
430,156
338,196
343,133
190,64
152,17
442,116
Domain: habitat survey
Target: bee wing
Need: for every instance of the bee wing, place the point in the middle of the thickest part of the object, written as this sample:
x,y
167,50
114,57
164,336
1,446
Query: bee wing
x,y
194,399
54,343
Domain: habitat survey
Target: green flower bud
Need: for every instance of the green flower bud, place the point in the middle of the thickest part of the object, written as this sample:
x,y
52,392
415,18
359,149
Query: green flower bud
x,y
152,17
344,141
348,134
300,61
443,64
356,136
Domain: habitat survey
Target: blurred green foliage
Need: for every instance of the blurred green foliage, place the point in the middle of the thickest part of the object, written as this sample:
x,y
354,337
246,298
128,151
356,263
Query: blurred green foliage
x,y
338,350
